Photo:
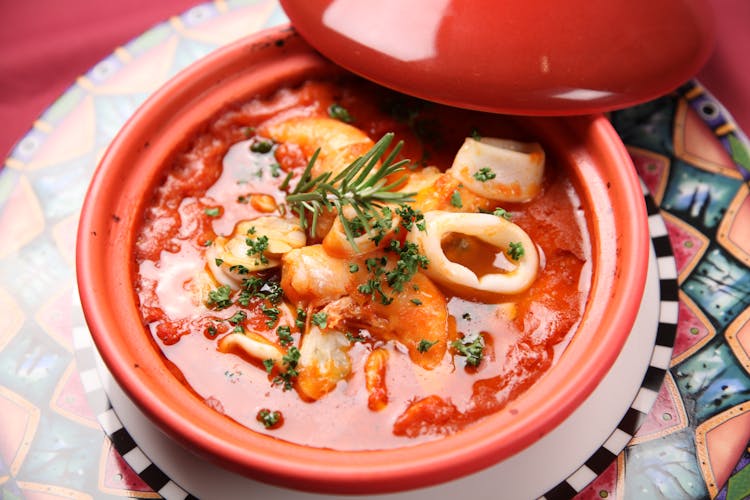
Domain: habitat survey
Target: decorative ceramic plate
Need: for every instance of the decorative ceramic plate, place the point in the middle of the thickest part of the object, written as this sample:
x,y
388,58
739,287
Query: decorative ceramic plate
x,y
59,427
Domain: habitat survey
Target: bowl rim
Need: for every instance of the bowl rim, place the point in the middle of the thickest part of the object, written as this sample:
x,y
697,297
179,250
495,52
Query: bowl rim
x,y
105,234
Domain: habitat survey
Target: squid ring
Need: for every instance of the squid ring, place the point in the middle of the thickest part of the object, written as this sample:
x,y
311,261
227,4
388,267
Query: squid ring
x,y
489,228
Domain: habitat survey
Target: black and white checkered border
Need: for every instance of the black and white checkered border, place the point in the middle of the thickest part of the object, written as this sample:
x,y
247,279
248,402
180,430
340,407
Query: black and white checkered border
x,y
121,439
157,480
661,356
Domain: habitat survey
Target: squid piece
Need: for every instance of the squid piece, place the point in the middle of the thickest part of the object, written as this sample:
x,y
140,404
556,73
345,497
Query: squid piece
x,y
253,345
375,368
323,362
516,260
500,169
310,275
254,245
340,144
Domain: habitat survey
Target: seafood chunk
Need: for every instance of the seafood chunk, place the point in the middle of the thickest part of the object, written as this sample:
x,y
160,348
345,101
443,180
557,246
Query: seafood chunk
x,y
420,303
253,246
375,368
500,169
517,252
340,144
382,229
310,275
253,345
323,362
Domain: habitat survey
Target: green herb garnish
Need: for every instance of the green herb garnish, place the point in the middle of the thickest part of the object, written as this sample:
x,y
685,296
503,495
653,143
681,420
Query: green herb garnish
x,y
262,146
268,418
424,345
238,317
515,250
299,322
501,212
212,211
473,351
256,246
289,362
285,335
484,174
456,199
320,319
219,298
359,186
339,112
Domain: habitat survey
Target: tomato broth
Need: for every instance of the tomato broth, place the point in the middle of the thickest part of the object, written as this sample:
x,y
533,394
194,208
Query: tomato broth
x,y
232,171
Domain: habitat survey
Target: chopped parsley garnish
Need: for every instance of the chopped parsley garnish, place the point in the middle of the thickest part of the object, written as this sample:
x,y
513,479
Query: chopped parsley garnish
x,y
268,364
416,302
373,286
212,211
410,217
285,335
289,361
272,313
256,287
473,351
475,135
238,317
256,246
484,174
424,345
219,262
456,199
239,269
262,146
269,419
320,319
219,298
211,331
409,262
406,266
339,112
299,322
354,338
515,250
466,316
353,267
501,212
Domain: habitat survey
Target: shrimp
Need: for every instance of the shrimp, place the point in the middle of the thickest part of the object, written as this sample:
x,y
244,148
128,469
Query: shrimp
x,y
339,143
310,276
448,193
417,318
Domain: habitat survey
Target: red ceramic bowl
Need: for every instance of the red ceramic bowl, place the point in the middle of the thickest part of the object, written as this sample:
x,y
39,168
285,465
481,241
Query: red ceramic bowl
x,y
132,167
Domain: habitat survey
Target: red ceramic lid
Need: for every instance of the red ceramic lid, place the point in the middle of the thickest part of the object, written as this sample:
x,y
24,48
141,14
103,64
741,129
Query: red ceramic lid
x,y
532,57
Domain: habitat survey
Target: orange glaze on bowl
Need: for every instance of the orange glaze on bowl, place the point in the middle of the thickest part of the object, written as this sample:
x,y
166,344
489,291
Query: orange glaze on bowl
x,y
206,191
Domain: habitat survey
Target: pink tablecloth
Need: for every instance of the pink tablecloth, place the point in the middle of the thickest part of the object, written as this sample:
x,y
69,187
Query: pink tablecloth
x,y
46,44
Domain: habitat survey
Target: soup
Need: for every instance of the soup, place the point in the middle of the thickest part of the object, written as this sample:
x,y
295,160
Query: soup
x,y
311,279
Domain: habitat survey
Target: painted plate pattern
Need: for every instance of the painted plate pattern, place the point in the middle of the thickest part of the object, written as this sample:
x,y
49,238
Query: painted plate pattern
x,y
693,443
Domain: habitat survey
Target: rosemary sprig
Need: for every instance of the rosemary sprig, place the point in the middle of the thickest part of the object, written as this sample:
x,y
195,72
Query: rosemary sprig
x,y
360,185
